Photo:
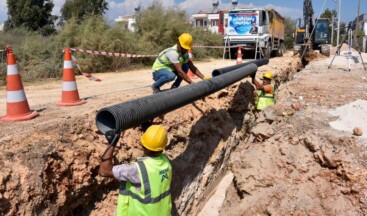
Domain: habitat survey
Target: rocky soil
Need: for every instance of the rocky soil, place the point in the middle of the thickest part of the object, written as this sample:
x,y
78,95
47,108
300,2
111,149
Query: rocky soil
x,y
294,162
286,160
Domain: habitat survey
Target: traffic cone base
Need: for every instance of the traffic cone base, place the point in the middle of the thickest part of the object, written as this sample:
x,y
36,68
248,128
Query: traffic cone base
x,y
27,116
75,103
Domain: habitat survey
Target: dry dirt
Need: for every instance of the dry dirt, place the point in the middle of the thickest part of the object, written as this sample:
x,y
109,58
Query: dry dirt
x,y
286,160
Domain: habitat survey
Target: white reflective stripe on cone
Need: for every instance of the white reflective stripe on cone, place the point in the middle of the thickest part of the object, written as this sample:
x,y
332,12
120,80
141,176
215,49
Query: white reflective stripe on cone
x,y
69,86
68,64
12,70
15,96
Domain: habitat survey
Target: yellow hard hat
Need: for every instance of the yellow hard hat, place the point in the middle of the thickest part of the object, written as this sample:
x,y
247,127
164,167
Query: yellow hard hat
x,y
155,138
185,41
268,75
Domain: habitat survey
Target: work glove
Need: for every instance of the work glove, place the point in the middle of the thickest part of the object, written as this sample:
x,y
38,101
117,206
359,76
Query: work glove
x,y
112,137
207,77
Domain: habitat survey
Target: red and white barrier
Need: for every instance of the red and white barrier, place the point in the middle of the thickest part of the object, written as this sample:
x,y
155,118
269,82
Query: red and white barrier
x,y
89,76
112,54
217,47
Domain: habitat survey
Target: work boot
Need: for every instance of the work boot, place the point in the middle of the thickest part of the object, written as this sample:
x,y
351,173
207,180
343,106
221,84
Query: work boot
x,y
155,89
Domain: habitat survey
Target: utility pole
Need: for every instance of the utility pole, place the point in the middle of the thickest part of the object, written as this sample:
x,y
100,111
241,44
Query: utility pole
x,y
332,29
339,15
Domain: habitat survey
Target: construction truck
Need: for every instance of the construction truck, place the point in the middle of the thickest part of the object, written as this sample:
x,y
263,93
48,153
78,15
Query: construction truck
x,y
260,30
312,36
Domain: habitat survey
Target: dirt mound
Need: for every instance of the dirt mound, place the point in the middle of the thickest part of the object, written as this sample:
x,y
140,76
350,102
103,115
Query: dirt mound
x,y
295,163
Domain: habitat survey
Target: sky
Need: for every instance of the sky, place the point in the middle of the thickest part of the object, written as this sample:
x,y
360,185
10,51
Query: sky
x,y
287,8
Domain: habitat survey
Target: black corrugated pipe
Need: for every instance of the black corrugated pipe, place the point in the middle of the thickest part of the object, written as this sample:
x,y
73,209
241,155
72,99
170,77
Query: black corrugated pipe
x,y
132,113
259,62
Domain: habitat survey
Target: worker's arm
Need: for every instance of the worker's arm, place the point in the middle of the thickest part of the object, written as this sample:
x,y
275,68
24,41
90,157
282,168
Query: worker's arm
x,y
105,166
195,70
181,73
257,84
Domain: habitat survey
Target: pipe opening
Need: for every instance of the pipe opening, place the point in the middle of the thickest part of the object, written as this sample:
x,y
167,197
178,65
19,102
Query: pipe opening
x,y
105,121
215,73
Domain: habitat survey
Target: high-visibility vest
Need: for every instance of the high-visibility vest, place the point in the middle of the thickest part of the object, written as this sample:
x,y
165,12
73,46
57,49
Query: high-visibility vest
x,y
154,197
264,99
163,62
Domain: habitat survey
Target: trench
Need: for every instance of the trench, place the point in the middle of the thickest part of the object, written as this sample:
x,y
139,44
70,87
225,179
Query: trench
x,y
60,167
199,194
201,145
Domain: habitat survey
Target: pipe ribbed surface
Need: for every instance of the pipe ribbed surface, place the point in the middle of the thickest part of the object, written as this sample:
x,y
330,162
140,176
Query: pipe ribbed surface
x,y
132,113
259,62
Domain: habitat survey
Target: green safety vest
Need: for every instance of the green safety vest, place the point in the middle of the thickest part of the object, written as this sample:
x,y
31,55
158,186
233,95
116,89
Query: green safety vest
x,y
162,62
264,100
154,197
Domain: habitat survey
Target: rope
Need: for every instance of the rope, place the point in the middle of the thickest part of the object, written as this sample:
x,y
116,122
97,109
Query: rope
x,y
87,75
111,54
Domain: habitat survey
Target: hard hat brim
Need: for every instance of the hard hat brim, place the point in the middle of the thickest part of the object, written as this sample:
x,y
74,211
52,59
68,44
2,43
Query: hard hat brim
x,y
185,47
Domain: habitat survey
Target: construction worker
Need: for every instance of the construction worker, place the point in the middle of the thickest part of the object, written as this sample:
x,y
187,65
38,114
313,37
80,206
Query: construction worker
x,y
265,91
145,184
174,62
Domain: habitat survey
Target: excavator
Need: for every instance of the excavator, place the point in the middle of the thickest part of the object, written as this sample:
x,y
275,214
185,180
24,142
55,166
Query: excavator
x,y
312,35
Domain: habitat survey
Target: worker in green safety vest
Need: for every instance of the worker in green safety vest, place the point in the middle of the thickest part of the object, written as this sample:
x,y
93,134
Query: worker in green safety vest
x,y
145,184
174,62
265,91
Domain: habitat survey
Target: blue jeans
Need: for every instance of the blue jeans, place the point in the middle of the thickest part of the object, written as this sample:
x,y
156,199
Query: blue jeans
x,y
164,76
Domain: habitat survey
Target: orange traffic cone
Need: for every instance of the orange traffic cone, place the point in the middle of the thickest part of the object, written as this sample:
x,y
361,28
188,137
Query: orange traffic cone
x,y
70,95
17,105
190,73
239,56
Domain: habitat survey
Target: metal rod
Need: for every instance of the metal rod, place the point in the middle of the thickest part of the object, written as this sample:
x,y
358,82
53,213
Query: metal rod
x,y
339,17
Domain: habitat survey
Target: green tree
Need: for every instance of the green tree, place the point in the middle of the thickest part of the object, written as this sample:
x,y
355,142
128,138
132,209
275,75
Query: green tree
x,y
329,14
289,29
82,8
158,28
34,15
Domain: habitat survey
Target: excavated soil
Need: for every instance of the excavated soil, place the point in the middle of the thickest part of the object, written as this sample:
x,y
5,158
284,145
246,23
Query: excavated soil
x,y
294,162
286,160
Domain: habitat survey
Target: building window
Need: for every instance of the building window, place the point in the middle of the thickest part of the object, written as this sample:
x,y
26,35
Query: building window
x,y
199,23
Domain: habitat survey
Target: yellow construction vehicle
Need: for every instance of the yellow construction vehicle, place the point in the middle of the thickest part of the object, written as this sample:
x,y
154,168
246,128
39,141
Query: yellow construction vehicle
x,y
312,36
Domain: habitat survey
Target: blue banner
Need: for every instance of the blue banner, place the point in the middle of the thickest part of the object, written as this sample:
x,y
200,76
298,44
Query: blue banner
x,y
240,24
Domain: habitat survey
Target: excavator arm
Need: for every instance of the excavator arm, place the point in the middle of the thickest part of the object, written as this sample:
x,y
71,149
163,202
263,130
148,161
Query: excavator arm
x,y
308,19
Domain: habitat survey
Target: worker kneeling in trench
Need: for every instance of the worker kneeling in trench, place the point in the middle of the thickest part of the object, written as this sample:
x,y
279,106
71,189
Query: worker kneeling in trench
x,y
265,91
172,62
145,184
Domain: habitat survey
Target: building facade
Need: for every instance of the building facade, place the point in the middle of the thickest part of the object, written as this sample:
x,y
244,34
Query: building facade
x,y
127,22
214,21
